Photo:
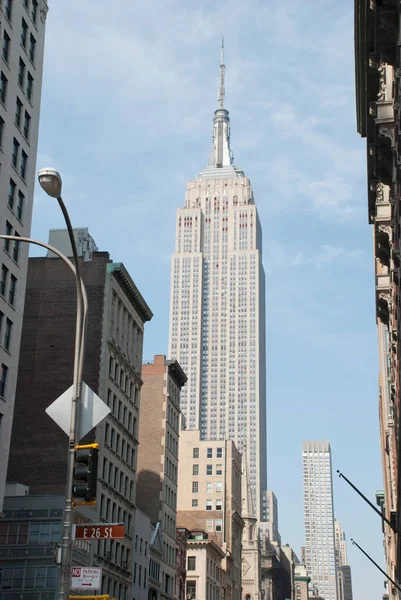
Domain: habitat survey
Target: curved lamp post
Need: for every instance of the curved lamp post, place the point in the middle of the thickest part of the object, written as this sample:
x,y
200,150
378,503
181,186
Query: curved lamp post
x,y
50,181
82,309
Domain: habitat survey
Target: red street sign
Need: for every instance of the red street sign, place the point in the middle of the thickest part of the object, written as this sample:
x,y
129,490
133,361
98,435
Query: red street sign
x,y
93,531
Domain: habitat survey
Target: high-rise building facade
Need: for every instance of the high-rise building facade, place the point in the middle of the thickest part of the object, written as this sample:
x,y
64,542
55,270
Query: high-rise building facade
x,y
217,306
22,30
319,518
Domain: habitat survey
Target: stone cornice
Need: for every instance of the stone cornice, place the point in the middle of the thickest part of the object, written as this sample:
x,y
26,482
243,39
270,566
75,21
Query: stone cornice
x,y
125,280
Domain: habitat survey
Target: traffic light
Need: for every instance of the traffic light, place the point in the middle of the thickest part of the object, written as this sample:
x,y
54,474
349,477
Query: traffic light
x,y
85,472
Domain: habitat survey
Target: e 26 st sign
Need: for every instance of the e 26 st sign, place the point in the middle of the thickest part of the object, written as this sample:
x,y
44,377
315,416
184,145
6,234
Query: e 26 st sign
x,y
101,531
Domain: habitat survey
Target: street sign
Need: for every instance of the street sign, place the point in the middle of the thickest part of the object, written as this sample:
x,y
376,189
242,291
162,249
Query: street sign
x,y
98,531
92,410
84,578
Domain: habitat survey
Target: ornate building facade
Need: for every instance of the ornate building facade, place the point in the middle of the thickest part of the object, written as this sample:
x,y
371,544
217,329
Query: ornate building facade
x,y
217,307
378,104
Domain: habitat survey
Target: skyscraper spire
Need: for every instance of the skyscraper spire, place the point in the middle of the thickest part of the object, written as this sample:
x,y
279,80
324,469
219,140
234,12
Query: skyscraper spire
x,y
221,156
222,76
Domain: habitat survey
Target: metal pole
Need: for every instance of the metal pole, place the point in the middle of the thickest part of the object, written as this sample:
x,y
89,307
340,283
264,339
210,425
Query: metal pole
x,y
368,501
66,549
376,565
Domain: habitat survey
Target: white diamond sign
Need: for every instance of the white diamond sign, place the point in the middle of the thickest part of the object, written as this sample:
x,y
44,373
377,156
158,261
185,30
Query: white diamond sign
x,y
92,410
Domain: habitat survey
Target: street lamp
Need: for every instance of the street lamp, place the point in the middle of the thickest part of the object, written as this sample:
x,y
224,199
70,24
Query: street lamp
x,y
51,182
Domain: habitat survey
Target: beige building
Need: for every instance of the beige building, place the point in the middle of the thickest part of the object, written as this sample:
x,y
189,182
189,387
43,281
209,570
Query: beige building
x,y
205,576
209,499
159,423
217,307
301,582
21,63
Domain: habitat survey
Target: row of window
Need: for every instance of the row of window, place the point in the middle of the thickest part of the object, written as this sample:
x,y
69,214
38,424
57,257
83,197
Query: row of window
x,y
28,578
16,200
31,6
29,533
138,580
122,413
209,453
7,284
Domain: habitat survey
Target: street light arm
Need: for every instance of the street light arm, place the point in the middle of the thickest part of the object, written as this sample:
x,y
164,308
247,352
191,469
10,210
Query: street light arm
x,y
82,308
18,238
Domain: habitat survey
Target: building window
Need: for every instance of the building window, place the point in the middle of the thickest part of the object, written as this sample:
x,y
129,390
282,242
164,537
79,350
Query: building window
x,y
3,280
3,380
209,504
1,131
219,486
15,152
191,563
219,469
209,469
191,590
34,13
24,33
219,453
29,86
195,470
20,205
24,161
8,231
12,290
16,249
11,193
8,4
18,111
32,48
41,577
13,534
21,72
44,533
195,453
7,334
6,46
195,487
27,125
209,452
194,502
3,87
219,504
218,524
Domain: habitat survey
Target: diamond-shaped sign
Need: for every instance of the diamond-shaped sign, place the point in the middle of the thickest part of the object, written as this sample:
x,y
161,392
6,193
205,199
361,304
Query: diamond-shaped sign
x,y
92,410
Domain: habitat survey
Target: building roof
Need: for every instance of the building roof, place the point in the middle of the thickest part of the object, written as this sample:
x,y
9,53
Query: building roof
x,y
125,280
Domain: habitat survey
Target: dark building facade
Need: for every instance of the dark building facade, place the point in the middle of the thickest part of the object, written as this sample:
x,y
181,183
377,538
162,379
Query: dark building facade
x,y
28,534
112,368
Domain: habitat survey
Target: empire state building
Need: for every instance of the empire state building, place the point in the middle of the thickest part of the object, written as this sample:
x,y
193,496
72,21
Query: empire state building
x,y
217,306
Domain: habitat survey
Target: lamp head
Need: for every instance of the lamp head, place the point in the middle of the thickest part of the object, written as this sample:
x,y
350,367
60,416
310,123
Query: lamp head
x,y
50,180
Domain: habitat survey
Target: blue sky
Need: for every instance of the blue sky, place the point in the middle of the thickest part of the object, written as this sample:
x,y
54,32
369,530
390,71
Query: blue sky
x,y
128,99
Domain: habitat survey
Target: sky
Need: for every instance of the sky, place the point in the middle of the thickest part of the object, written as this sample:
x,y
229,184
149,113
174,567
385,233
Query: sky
x,y
127,105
